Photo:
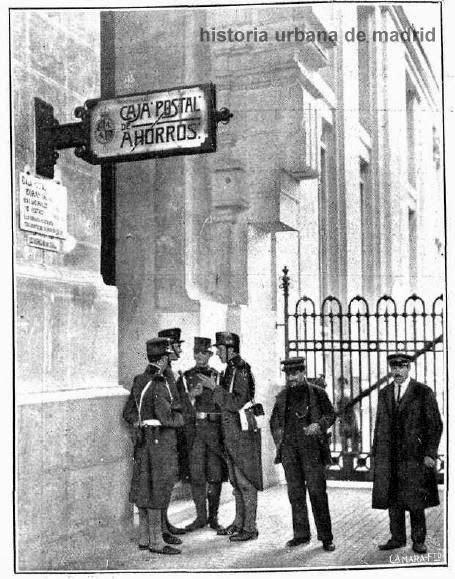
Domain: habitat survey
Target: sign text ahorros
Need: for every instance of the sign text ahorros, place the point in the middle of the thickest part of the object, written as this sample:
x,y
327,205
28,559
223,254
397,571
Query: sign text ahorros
x,y
154,124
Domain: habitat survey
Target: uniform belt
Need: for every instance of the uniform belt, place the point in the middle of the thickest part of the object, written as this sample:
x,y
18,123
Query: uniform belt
x,y
151,422
211,416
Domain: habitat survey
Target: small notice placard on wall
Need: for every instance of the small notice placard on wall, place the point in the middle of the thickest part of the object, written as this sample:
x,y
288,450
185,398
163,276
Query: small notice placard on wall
x,y
40,242
42,206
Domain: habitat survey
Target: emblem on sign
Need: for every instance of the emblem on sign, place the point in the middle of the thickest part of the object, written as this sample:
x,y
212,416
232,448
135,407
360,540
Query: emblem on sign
x,y
104,129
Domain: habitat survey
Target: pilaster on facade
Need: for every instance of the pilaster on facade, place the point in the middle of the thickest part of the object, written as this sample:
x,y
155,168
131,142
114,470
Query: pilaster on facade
x,y
381,158
347,146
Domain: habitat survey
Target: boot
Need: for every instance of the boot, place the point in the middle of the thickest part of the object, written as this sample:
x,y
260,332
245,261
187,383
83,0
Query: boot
x,y
237,525
157,544
213,496
201,508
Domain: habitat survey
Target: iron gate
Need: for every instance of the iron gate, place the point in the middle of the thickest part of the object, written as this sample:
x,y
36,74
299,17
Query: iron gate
x,y
346,352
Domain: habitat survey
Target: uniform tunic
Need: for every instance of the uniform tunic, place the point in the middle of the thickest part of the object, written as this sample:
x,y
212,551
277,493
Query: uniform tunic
x,y
155,453
242,447
182,446
203,435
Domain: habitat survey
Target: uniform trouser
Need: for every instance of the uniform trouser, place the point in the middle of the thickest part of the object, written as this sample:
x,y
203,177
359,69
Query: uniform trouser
x,y
203,493
144,537
164,517
150,527
183,466
206,467
302,473
397,516
246,498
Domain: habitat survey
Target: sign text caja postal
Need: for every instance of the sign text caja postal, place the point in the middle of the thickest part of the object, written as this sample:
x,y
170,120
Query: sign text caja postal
x,y
158,123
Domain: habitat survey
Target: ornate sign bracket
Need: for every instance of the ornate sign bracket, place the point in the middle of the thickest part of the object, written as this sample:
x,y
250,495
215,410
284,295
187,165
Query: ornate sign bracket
x,y
51,136
177,121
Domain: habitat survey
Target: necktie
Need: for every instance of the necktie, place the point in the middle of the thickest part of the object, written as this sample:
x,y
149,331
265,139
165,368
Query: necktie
x,y
399,393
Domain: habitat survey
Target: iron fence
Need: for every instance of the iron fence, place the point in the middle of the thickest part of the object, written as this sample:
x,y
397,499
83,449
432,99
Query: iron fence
x,y
346,349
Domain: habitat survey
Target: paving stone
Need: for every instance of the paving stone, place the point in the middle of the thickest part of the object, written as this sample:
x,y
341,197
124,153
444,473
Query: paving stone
x,y
357,530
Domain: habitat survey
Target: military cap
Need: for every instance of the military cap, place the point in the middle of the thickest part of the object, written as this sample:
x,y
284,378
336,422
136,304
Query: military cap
x,y
228,339
296,363
158,347
202,344
399,359
172,333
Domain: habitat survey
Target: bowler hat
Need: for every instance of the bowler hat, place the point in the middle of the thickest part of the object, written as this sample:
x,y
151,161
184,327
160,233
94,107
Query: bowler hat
x,y
399,359
158,347
172,333
296,363
228,339
202,344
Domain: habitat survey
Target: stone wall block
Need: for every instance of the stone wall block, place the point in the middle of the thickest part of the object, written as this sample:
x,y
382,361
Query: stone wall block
x,y
81,78
77,481
30,335
22,111
30,416
80,333
53,436
107,439
46,54
19,38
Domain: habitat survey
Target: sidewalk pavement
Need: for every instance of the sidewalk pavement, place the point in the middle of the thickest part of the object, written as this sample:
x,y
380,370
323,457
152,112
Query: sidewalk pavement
x,y
357,530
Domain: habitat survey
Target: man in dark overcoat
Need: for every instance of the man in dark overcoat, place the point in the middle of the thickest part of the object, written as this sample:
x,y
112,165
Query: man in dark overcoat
x,y
300,419
405,448
203,431
174,335
242,447
153,415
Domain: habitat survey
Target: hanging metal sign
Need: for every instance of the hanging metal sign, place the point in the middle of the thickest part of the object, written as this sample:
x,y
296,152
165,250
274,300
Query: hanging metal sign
x,y
176,121
158,123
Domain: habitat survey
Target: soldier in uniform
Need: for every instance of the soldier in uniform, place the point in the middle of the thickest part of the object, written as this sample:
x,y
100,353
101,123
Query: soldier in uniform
x,y
203,429
300,419
174,334
405,447
242,447
153,415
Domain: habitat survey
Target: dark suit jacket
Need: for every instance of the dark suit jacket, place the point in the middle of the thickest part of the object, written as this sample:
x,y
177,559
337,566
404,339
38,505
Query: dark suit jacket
x,y
320,411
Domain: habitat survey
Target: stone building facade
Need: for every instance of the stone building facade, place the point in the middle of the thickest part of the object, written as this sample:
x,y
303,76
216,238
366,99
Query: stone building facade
x,y
330,166
71,450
